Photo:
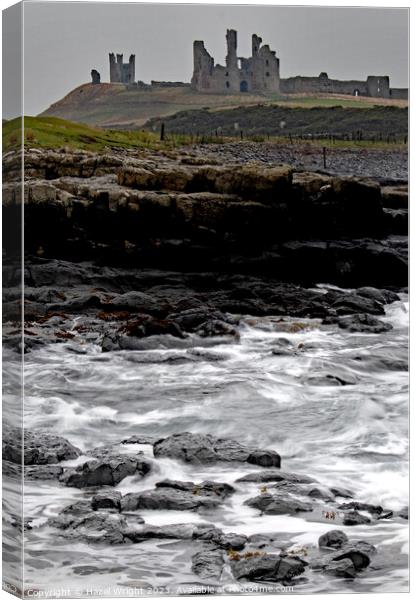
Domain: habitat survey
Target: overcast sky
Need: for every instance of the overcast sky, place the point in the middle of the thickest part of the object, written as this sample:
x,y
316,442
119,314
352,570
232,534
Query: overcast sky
x,y
64,41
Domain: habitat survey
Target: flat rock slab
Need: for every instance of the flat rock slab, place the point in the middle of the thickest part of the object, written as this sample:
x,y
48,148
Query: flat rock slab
x,y
109,470
199,448
274,475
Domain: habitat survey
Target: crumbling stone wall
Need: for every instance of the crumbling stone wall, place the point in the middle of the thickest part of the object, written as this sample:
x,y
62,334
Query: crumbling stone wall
x,y
375,86
121,72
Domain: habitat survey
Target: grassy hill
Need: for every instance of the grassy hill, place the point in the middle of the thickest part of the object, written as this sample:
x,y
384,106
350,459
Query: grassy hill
x,y
51,132
112,106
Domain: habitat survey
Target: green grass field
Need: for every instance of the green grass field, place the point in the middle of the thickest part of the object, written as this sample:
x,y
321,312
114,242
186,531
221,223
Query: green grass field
x,y
51,132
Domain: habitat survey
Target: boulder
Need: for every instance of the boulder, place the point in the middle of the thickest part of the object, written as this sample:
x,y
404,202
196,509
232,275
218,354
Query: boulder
x,y
107,499
267,567
334,538
109,470
363,323
105,527
276,504
200,448
355,518
232,541
39,448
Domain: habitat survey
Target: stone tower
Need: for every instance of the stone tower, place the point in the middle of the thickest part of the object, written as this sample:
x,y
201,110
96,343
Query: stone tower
x,y
121,72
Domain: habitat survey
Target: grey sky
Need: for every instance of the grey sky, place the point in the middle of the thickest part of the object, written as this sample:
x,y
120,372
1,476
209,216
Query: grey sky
x,y
63,41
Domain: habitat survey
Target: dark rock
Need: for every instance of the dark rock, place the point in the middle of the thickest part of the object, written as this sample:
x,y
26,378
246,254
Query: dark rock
x,y
267,567
363,323
206,488
94,527
275,504
181,531
264,458
342,492
232,541
109,470
333,539
355,518
40,472
196,447
107,499
169,499
208,564
371,508
39,448
380,295
341,568
140,439
274,475
217,328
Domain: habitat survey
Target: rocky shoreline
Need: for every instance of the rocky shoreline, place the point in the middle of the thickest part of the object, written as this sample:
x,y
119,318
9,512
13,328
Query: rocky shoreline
x,y
168,257
106,516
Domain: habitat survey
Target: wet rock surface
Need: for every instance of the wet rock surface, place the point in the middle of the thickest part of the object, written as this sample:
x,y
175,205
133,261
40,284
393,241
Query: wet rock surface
x,y
108,470
192,448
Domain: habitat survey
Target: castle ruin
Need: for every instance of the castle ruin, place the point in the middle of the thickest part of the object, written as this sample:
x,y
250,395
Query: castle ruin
x,y
260,73
121,72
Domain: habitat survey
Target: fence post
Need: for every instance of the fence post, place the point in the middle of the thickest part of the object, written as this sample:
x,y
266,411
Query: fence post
x,y
324,157
162,133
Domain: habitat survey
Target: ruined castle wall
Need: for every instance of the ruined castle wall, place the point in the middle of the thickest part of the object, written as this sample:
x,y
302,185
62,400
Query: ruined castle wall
x,y
398,93
322,84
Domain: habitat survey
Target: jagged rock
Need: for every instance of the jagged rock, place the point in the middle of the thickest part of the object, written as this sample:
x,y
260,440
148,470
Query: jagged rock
x,y
355,518
208,564
108,470
169,499
39,448
107,499
333,539
196,447
267,567
276,504
275,475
